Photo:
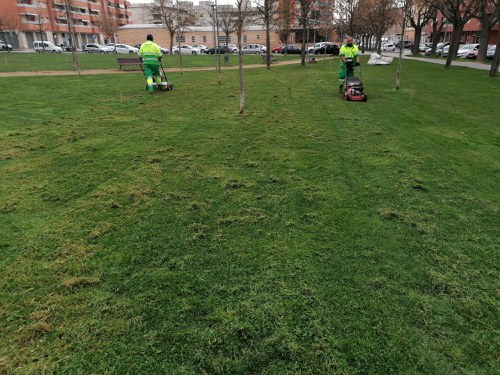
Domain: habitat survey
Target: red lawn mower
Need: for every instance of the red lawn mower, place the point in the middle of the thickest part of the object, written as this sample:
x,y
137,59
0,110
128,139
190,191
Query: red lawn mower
x,y
353,86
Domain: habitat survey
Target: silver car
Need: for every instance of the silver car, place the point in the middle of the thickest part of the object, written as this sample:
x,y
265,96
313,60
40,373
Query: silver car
x,y
94,48
253,49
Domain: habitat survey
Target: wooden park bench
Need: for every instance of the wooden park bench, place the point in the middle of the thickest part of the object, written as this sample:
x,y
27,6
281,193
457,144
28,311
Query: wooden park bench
x,y
129,61
272,58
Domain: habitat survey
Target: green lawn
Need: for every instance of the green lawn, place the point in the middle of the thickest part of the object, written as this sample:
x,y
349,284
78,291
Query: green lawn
x,y
167,234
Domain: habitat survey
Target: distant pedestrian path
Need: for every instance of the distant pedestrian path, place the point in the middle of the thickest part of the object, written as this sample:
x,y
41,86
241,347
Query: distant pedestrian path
x,y
466,64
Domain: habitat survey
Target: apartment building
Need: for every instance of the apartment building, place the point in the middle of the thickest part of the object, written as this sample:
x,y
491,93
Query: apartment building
x,y
470,34
24,21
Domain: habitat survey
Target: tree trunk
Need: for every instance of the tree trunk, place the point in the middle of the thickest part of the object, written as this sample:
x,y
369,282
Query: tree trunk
x,y
436,32
268,41
455,40
303,54
400,57
76,62
496,60
171,41
483,43
417,39
240,74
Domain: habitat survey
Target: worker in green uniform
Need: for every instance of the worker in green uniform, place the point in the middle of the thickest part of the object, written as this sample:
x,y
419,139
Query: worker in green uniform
x,y
150,54
347,51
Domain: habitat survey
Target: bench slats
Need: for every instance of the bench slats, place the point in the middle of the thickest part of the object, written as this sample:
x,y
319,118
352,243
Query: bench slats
x,y
272,58
128,61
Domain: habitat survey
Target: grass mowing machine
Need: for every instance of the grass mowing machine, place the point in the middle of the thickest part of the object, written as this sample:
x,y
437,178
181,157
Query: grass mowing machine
x,y
164,85
353,86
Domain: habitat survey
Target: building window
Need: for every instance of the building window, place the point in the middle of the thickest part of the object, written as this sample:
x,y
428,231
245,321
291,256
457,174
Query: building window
x,y
181,39
258,37
31,17
193,39
204,39
245,39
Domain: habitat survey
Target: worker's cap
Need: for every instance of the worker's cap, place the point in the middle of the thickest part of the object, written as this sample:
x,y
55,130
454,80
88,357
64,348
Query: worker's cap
x,y
149,37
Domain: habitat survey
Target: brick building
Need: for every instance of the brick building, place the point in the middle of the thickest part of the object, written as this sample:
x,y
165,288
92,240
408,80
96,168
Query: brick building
x,y
134,34
471,33
24,21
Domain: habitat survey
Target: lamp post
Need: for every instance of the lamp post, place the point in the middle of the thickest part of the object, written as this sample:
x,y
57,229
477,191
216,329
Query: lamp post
x,y
217,29
213,29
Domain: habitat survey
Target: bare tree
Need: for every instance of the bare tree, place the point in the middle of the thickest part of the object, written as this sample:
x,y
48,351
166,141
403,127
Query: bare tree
x,y
184,19
7,23
65,9
228,22
243,15
41,20
496,58
458,13
167,14
418,14
266,11
381,15
304,15
326,20
107,23
487,18
346,17
286,15
437,26
406,8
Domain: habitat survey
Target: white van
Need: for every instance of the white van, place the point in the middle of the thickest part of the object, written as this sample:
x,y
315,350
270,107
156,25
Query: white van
x,y
48,46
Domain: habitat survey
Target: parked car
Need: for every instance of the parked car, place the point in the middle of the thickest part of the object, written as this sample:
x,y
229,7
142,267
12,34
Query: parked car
x,y
222,49
422,47
108,48
491,52
185,50
163,50
253,49
446,49
39,46
277,49
472,55
5,46
329,49
406,44
439,49
95,48
317,45
464,50
291,50
122,48
444,52
201,47
234,48
389,47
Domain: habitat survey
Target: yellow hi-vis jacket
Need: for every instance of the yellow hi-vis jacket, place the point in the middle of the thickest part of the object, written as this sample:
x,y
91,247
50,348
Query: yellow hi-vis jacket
x,y
349,52
150,52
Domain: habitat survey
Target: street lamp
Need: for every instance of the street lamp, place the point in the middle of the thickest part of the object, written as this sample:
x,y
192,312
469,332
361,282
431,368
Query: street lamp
x,y
215,28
